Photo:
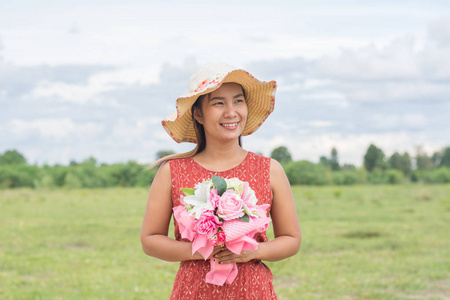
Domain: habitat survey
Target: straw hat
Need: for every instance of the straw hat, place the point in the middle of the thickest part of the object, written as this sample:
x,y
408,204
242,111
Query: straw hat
x,y
260,97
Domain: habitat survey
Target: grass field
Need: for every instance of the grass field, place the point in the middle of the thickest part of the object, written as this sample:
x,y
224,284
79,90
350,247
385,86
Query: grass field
x,y
359,242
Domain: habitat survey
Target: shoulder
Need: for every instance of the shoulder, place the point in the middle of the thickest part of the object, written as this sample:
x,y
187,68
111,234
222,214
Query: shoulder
x,y
277,174
164,170
275,167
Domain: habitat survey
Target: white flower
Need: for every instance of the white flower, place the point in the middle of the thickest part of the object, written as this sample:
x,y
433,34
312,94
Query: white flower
x,y
236,184
199,201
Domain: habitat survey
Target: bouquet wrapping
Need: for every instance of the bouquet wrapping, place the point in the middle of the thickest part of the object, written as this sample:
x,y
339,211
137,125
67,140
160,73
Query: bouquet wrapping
x,y
221,212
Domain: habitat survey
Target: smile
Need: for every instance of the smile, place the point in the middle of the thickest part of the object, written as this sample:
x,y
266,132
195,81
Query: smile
x,y
230,125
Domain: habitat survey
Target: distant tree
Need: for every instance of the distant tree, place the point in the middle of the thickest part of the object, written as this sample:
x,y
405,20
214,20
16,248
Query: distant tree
x,y
12,157
325,161
348,167
334,160
281,154
400,162
394,160
90,161
436,158
423,161
405,163
163,153
374,159
445,161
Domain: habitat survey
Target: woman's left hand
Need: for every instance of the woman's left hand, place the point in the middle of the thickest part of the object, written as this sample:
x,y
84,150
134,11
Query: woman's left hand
x,y
227,257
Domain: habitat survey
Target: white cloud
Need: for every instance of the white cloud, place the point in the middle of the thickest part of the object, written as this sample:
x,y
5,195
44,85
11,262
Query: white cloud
x,y
320,123
78,93
351,147
396,121
394,61
54,128
346,76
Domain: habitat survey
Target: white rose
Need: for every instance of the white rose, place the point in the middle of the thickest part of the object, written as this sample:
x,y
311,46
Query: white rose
x,y
236,184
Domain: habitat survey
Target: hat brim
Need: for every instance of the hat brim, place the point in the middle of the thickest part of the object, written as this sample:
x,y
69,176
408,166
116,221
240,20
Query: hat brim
x,y
260,98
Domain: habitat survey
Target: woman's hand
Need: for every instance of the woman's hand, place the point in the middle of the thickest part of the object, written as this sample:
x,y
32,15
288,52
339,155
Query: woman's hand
x,y
225,256
217,249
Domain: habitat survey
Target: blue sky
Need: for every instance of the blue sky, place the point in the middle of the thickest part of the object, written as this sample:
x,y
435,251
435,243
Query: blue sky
x,y
82,78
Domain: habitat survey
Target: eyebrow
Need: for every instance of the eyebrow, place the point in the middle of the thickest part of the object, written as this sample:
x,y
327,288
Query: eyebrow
x,y
223,98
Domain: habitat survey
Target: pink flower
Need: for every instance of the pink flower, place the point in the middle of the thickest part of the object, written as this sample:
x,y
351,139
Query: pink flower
x,y
214,198
221,237
207,224
230,206
218,239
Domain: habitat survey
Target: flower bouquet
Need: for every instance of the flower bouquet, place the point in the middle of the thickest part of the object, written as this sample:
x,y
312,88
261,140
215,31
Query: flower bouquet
x,y
221,212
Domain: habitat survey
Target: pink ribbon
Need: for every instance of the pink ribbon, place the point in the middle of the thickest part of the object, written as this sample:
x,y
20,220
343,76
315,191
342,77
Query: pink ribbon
x,y
221,273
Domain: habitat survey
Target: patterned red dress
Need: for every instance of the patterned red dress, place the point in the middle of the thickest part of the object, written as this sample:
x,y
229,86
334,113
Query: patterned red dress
x,y
254,279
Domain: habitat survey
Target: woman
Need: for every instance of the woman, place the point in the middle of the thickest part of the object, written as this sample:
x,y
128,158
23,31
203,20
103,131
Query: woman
x,y
223,104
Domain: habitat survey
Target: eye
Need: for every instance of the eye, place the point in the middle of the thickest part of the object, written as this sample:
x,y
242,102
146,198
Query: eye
x,y
215,103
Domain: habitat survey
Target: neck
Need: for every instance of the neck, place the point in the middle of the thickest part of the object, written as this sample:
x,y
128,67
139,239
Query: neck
x,y
221,156
223,151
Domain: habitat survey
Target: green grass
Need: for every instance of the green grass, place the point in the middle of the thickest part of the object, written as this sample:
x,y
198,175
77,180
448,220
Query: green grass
x,y
359,242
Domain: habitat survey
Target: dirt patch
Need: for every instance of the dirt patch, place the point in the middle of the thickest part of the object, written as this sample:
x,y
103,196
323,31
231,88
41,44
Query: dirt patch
x,y
79,246
363,234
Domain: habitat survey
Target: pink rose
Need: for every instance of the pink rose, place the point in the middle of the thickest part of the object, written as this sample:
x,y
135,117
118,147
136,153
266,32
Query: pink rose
x,y
218,239
214,198
221,237
230,206
207,224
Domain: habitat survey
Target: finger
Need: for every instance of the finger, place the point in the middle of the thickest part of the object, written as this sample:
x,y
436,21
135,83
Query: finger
x,y
226,257
223,253
229,260
215,252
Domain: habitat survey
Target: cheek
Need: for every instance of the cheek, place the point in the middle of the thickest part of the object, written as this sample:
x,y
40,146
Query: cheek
x,y
244,112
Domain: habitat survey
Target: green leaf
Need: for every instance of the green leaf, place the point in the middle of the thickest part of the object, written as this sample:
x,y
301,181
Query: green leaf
x,y
220,184
188,191
244,218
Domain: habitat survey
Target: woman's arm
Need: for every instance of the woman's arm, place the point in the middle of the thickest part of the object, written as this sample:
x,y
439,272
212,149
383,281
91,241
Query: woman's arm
x,y
155,227
285,224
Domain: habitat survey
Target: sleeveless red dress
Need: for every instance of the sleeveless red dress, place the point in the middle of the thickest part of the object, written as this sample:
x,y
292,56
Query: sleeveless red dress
x,y
254,279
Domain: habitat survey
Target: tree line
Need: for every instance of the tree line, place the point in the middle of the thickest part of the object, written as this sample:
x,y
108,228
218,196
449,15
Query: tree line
x,y
16,172
377,168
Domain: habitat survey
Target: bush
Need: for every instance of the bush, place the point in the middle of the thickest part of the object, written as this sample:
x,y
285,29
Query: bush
x,y
376,177
46,181
440,175
14,176
72,181
344,177
361,175
390,176
394,176
305,172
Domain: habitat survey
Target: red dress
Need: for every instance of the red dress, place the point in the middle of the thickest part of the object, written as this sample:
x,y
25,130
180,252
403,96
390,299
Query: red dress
x,y
254,279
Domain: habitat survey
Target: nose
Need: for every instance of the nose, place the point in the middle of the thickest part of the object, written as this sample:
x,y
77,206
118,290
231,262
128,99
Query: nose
x,y
230,111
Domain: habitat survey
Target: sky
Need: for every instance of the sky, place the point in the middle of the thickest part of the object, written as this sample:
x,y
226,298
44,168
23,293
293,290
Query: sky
x,y
95,78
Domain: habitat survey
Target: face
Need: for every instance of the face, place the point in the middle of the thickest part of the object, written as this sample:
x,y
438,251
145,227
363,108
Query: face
x,y
223,112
